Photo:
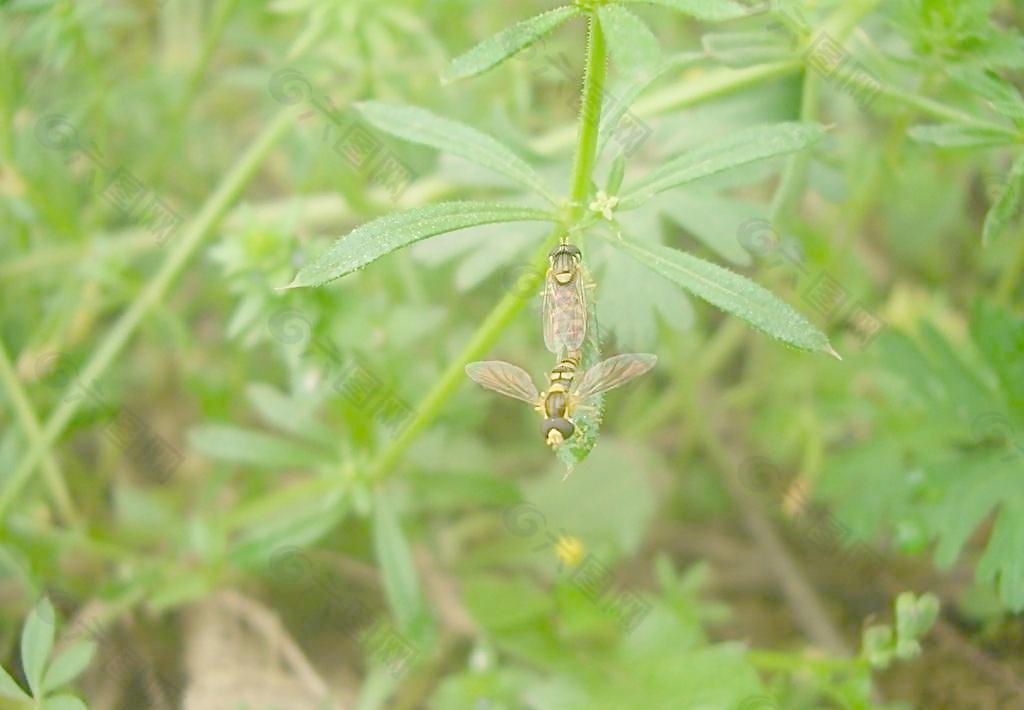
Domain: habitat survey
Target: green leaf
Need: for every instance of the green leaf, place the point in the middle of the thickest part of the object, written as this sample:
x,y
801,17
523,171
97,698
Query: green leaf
x,y
715,220
231,443
1007,205
506,43
296,527
498,603
367,243
731,292
619,98
288,413
10,689
1002,561
425,128
744,49
68,665
37,642
999,335
978,485
743,148
877,645
1003,96
632,44
704,9
915,616
956,135
620,500
64,702
615,175
398,573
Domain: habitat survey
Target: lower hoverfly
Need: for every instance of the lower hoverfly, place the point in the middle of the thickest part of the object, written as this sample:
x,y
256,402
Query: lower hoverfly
x,y
566,394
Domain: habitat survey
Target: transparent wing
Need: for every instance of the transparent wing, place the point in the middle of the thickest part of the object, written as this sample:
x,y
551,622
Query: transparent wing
x,y
504,378
613,372
565,314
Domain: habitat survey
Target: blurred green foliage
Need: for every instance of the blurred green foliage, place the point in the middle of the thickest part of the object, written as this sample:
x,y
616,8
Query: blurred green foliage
x,y
177,427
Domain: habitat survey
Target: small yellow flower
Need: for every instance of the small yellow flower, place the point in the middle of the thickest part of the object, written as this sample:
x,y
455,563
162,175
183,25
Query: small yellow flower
x,y
569,550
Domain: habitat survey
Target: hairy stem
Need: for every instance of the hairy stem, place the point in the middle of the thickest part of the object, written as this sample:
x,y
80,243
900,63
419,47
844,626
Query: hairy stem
x,y
198,229
590,118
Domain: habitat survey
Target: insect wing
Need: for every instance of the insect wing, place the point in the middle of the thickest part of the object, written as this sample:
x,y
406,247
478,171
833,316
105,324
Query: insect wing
x,y
613,372
504,378
565,314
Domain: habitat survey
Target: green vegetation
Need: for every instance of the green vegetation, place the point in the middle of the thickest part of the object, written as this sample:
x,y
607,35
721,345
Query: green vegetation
x,y
247,249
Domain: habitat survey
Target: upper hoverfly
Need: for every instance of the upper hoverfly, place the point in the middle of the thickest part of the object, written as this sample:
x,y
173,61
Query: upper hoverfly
x,y
565,301
565,395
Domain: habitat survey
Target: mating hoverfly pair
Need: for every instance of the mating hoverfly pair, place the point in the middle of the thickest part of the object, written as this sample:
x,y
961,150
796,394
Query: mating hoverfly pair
x,y
565,329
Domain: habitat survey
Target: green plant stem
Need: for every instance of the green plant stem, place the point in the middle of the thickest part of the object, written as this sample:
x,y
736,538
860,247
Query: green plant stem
x,y
794,176
30,424
1011,272
798,662
589,120
198,229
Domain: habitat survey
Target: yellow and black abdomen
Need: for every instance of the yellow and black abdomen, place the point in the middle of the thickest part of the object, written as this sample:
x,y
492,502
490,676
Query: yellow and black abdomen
x,y
556,426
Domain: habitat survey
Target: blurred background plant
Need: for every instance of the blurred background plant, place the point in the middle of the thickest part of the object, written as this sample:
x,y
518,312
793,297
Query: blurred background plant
x,y
143,244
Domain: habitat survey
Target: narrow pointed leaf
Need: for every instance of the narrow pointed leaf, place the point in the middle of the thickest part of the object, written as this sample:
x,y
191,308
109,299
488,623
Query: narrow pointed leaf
x,y
704,9
632,44
255,448
9,688
420,126
745,49
36,643
955,135
731,292
1001,564
398,573
384,235
748,146
1007,205
288,414
506,43
68,665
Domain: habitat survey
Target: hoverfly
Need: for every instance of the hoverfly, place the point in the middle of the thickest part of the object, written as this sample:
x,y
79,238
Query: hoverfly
x,y
565,301
565,395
